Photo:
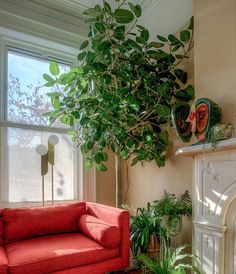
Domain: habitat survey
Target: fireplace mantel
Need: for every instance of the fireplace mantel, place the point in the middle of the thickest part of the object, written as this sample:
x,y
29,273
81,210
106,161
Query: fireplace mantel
x,y
190,151
214,205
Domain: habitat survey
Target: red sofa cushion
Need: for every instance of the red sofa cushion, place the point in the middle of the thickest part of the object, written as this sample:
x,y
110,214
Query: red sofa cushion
x,y
55,252
3,261
1,231
22,223
106,234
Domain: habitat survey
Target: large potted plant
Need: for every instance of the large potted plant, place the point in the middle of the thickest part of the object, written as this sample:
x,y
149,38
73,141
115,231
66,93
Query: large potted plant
x,y
122,91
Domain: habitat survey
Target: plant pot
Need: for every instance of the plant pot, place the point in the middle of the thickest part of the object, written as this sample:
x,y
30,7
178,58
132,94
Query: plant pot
x,y
165,223
153,246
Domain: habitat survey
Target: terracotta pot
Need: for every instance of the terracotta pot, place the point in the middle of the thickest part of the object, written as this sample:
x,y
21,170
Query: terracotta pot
x,y
153,246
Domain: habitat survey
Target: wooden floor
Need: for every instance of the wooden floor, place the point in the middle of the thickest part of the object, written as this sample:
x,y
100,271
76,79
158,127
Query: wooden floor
x,y
128,270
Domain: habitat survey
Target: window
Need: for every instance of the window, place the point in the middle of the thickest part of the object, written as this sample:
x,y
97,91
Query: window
x,y
23,127
27,99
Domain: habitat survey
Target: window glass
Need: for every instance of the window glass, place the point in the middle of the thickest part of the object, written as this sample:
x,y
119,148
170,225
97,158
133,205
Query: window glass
x,y
22,166
27,99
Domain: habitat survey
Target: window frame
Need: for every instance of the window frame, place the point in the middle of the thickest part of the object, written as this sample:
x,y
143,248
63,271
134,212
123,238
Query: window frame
x,y
53,51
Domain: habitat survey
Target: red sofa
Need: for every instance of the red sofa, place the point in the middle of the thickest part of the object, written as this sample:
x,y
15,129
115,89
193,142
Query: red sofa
x,y
84,238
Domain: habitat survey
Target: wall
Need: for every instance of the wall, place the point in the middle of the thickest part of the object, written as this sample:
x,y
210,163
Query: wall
x,y
147,182
215,53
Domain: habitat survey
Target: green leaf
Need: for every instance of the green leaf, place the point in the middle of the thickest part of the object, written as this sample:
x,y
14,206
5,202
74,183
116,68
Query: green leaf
x,y
186,94
101,167
160,160
64,120
155,45
124,154
185,36
163,110
81,56
105,157
123,16
84,149
190,91
90,144
134,45
181,75
88,163
119,32
175,48
162,38
113,148
137,10
48,78
84,45
107,8
100,27
54,68
191,25
164,88
92,12
130,143
98,157
90,57
174,41
145,35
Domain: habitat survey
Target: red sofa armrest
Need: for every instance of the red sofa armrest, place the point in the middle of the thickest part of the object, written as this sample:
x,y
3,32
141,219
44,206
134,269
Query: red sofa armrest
x,y
118,217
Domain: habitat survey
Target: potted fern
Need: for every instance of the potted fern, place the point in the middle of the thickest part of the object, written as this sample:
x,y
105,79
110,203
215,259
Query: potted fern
x,y
170,209
174,261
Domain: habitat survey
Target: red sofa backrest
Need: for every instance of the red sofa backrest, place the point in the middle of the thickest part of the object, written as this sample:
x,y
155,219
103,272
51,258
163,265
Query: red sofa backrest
x,y
22,223
1,228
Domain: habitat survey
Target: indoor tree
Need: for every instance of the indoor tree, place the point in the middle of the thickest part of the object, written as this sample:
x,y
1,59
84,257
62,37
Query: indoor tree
x,y
121,93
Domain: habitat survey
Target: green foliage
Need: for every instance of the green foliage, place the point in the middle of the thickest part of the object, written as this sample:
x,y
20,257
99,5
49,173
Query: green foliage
x,y
174,261
122,92
151,220
171,208
143,224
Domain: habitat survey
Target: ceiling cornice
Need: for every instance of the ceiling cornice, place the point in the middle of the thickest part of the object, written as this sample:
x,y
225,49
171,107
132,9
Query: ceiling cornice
x,y
148,5
46,8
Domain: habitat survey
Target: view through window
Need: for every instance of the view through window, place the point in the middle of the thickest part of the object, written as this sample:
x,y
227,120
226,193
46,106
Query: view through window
x,y
25,127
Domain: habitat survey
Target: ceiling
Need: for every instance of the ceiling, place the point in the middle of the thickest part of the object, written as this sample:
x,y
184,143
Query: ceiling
x,y
159,16
162,16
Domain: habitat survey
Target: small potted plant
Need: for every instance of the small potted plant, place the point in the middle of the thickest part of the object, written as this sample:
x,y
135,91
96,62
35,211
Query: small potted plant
x,y
144,229
174,261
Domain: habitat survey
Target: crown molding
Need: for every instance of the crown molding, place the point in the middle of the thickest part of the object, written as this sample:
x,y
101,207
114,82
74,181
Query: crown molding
x,y
148,5
27,26
49,14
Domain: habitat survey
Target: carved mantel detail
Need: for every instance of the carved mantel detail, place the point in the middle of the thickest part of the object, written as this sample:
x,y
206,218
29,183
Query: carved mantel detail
x,y
214,204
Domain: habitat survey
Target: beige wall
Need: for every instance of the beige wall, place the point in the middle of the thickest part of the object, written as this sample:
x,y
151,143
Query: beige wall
x,y
215,53
106,183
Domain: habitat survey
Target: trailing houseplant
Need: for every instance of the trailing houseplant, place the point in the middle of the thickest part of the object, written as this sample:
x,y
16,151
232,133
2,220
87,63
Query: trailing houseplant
x,y
122,91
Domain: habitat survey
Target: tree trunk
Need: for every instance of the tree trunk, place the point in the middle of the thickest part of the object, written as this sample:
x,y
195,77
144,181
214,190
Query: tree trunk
x,y
118,181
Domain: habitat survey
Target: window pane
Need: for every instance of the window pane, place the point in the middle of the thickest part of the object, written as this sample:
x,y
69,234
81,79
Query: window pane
x,y
27,99
22,166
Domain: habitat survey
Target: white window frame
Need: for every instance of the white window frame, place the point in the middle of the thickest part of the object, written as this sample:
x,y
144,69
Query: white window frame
x,y
84,181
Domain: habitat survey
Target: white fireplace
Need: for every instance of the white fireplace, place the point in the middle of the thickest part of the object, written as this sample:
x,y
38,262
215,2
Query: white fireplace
x,y
214,206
